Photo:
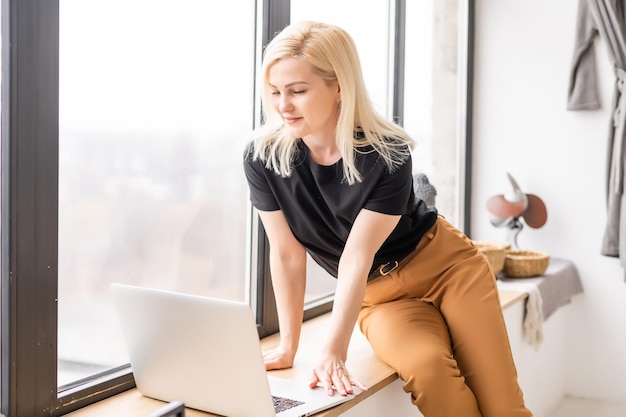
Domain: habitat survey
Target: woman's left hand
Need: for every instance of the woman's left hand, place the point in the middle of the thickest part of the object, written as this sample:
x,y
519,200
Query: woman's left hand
x,y
332,374
369,231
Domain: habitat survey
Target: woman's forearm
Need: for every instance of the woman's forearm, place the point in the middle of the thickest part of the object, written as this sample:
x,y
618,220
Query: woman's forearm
x,y
369,231
288,268
289,282
348,298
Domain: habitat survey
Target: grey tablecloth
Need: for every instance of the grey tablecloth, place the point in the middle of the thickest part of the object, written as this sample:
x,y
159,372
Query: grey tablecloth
x,y
557,286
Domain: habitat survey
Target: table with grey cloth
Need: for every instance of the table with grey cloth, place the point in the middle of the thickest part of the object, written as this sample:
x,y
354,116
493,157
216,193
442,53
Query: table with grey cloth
x,y
556,286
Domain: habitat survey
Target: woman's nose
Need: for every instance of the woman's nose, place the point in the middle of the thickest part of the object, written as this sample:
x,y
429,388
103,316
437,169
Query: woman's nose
x,y
284,103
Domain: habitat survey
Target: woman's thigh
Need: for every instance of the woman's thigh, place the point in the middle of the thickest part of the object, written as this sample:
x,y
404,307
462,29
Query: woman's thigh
x,y
412,337
406,330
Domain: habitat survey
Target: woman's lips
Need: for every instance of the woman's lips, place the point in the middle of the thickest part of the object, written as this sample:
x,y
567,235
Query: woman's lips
x,y
291,120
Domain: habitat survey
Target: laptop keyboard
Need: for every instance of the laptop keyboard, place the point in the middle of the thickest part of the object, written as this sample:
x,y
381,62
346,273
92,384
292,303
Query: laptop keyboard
x,y
282,404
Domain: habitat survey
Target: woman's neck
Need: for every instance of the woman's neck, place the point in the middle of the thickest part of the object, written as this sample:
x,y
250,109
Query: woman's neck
x,y
323,152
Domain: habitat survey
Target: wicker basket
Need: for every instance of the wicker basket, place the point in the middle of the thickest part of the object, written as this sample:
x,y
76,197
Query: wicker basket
x,y
525,264
494,252
505,246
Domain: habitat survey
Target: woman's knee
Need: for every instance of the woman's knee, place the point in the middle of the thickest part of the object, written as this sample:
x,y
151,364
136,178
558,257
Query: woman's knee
x,y
437,387
427,367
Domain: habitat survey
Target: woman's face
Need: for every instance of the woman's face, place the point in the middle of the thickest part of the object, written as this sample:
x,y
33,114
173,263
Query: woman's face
x,y
306,102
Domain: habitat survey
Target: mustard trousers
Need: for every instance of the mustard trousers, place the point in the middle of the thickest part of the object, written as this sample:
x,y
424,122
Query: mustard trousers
x,y
437,320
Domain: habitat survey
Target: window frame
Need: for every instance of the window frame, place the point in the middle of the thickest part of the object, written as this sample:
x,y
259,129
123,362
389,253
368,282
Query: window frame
x,y
276,15
29,207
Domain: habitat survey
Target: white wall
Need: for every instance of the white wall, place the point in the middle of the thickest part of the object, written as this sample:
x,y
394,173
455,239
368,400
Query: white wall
x,y
541,371
521,125
389,401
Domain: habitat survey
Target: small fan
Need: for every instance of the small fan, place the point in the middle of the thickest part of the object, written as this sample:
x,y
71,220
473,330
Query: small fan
x,y
507,209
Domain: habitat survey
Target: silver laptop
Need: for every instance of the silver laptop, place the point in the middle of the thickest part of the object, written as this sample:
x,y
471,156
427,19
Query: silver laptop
x,y
206,353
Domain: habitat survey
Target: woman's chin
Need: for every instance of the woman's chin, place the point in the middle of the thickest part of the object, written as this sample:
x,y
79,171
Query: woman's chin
x,y
294,131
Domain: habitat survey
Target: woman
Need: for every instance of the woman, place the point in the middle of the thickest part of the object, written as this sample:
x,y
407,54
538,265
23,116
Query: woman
x,y
332,178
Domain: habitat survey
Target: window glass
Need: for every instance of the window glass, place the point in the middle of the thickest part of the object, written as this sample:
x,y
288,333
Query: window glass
x,y
369,27
433,106
156,101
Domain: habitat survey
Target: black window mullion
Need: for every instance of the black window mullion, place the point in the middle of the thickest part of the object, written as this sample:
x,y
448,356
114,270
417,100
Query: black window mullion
x,y
30,45
276,15
469,102
398,64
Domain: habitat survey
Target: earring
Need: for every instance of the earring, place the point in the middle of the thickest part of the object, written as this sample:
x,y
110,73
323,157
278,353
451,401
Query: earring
x,y
338,101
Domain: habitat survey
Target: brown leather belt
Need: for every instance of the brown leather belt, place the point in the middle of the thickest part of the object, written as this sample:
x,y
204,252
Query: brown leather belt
x,y
382,270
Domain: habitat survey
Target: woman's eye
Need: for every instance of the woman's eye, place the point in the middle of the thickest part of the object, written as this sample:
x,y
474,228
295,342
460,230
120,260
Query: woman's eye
x,y
299,92
275,93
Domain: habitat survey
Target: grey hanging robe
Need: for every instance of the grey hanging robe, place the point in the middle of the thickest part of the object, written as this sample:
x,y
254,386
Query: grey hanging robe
x,y
606,19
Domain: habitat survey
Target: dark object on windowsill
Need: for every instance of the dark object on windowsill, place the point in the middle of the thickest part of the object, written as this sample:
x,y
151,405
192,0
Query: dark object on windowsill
x,y
424,190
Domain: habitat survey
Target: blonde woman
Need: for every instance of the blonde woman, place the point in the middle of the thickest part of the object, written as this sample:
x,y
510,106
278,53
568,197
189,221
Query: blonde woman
x,y
332,178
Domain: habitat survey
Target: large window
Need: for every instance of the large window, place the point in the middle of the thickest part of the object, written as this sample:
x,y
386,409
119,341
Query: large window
x,y
123,125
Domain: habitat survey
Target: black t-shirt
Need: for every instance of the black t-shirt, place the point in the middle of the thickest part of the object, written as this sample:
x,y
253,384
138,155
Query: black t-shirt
x,y
320,206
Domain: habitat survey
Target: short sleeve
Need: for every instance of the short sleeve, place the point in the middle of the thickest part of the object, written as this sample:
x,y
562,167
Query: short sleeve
x,y
393,192
261,194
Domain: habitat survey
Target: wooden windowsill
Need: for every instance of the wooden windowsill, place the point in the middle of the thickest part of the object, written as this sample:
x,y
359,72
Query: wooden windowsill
x,y
362,362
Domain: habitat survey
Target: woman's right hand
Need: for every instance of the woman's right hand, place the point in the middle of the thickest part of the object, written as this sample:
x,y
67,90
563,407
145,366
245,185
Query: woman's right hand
x,y
278,358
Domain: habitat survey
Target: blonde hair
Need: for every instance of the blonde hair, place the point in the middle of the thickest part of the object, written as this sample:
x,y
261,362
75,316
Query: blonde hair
x,y
333,55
